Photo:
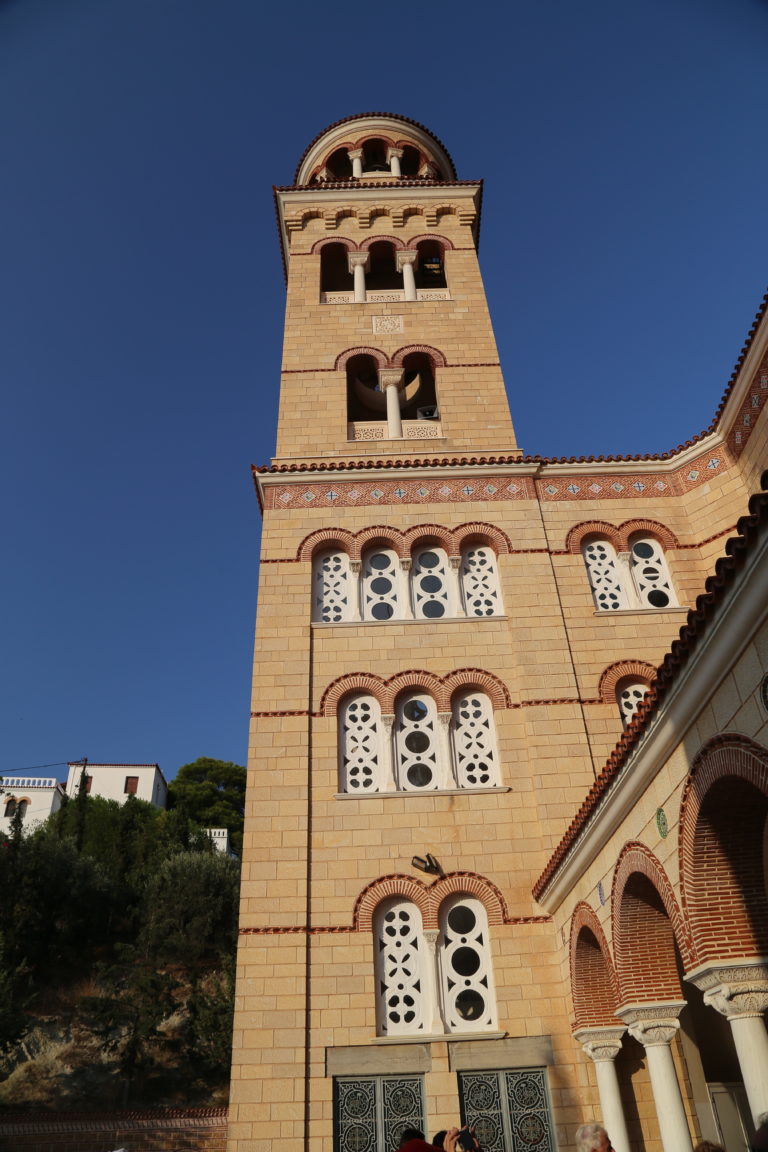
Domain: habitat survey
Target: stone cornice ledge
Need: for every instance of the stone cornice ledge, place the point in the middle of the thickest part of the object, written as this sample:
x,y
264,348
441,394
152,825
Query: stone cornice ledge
x,y
716,653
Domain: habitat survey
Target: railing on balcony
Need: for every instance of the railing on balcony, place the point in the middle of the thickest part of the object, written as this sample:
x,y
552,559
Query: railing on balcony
x,y
391,296
377,430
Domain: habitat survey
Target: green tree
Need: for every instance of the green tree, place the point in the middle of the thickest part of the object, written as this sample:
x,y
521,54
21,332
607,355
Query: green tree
x,y
212,793
189,910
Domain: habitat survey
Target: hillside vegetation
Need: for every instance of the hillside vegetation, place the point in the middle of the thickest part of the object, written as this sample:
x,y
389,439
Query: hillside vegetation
x,y
118,926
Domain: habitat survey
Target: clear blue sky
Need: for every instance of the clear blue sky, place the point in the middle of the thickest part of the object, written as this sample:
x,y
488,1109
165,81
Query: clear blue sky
x,y
141,297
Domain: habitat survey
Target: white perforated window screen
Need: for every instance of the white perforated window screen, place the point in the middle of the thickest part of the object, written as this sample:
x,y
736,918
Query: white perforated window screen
x,y
604,575
417,739
480,581
380,585
331,587
465,966
360,745
474,741
629,694
399,959
650,573
431,584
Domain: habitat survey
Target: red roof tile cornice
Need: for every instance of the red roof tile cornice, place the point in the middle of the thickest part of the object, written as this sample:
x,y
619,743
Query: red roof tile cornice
x,y
717,585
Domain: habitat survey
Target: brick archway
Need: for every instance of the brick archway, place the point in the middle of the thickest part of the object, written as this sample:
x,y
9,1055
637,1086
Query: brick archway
x,y
722,828
594,987
580,532
647,925
614,673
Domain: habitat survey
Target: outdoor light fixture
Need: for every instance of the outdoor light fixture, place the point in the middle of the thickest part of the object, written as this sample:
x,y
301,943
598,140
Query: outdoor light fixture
x,y
427,864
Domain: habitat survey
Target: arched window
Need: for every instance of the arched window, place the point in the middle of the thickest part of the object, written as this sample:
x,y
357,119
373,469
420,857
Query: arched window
x,y
480,581
383,274
375,156
417,744
431,584
629,695
399,966
465,966
335,275
331,593
650,574
430,265
411,161
380,585
361,751
365,399
419,398
339,165
604,575
474,741
10,807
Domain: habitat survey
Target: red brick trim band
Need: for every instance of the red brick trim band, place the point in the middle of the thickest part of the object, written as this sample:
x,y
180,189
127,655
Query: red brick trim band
x,y
369,682
339,929
354,543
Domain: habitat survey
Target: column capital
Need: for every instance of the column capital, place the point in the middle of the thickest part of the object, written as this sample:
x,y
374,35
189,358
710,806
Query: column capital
x,y
600,1043
358,260
736,989
398,152
355,566
355,153
405,563
390,376
388,722
430,939
652,1024
405,256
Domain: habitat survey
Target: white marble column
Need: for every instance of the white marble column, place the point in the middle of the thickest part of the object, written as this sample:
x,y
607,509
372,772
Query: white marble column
x,y
356,156
739,991
433,1021
603,1045
394,156
391,381
406,263
655,1025
358,264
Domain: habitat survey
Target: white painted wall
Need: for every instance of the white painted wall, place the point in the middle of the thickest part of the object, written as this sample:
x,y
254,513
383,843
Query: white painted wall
x,y
43,796
109,781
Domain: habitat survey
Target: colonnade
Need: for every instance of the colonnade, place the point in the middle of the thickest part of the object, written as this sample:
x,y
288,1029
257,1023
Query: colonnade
x,y
405,261
739,991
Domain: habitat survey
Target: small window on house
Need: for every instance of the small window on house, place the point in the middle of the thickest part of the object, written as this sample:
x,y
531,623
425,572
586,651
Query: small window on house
x,y
431,584
465,966
131,785
360,745
480,581
474,741
380,585
650,574
10,807
417,742
331,587
88,782
629,695
604,575
399,959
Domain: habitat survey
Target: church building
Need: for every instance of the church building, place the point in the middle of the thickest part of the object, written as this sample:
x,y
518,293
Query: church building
x,y
505,844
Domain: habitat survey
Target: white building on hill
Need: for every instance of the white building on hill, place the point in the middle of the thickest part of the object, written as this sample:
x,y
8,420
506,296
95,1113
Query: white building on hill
x,y
119,781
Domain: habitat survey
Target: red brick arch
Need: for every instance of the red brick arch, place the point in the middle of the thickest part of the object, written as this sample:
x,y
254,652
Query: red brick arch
x,y
435,355
442,240
380,534
480,533
722,821
366,244
579,533
364,682
631,528
416,679
390,140
384,889
472,884
609,680
326,538
646,925
425,533
486,682
326,240
594,986
343,358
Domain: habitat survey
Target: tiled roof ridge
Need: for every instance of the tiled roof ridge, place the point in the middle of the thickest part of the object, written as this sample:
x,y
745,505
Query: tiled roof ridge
x,y
365,116
715,587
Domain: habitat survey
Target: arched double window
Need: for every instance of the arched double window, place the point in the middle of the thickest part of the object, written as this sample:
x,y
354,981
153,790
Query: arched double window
x,y
14,806
418,749
637,579
384,590
446,987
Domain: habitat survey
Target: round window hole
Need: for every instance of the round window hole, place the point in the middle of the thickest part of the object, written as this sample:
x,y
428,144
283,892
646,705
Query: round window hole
x,y
461,920
470,1004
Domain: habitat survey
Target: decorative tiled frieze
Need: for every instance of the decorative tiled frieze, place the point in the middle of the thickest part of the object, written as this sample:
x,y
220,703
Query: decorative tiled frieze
x,y
353,493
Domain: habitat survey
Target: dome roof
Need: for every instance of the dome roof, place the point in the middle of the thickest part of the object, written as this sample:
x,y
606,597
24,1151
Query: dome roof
x,y
353,131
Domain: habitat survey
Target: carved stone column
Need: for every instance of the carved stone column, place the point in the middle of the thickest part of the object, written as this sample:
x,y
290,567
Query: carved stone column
x,y
358,263
603,1045
356,156
739,991
388,740
406,262
655,1025
391,380
394,156
433,1025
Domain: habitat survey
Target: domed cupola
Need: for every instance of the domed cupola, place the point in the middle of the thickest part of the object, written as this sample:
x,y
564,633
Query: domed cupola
x,y
375,147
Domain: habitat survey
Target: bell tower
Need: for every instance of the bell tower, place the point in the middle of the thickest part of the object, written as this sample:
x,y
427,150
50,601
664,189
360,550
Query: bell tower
x,y
386,745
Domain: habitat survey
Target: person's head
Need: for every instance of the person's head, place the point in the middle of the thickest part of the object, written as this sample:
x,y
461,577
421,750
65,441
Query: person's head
x,y
438,1138
708,1146
410,1134
593,1138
